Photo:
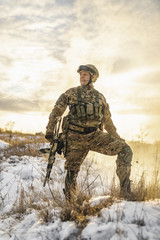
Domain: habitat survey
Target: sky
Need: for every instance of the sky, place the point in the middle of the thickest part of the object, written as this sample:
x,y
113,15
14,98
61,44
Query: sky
x,y
44,42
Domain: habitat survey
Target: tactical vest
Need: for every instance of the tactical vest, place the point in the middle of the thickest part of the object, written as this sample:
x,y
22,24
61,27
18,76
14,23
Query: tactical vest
x,y
88,111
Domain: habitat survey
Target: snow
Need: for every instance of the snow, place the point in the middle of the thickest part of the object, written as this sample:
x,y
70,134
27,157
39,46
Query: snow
x,y
97,200
122,220
3,144
126,220
29,228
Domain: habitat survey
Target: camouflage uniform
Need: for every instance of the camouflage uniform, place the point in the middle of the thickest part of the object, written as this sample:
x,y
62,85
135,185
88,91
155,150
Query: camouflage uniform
x,y
88,115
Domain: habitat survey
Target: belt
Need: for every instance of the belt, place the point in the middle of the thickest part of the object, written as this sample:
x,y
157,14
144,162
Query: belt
x,y
82,130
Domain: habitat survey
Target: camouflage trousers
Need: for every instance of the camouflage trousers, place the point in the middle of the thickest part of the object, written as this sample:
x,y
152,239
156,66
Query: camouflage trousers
x,y
78,146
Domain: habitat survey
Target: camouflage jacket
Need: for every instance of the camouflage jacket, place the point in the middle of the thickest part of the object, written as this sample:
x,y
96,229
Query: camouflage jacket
x,y
88,95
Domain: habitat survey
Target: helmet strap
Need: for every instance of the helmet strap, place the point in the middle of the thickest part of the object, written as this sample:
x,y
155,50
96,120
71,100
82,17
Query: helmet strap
x,y
90,80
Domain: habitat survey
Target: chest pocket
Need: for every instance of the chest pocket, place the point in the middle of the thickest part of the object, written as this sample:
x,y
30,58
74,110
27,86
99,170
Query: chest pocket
x,y
88,111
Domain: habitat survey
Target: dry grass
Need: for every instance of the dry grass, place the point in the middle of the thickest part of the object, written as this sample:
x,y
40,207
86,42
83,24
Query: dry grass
x,y
79,209
147,191
21,144
33,199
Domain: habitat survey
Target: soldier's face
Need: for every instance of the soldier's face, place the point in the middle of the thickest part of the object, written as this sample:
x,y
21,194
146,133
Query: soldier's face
x,y
84,78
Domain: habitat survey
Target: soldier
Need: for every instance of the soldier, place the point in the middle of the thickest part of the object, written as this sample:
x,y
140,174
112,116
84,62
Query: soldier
x,y
83,128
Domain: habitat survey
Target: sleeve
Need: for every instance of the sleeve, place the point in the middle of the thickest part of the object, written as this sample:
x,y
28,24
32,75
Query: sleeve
x,y
58,110
107,120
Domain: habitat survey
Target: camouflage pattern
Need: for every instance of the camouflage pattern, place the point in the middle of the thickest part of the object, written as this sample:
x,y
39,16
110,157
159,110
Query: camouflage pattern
x,y
78,145
70,184
124,170
69,98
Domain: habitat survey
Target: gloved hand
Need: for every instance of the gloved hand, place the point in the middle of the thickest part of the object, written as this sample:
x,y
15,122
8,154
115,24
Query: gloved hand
x,y
49,136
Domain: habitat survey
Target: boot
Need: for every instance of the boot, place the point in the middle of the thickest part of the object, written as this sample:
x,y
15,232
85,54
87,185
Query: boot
x,y
125,191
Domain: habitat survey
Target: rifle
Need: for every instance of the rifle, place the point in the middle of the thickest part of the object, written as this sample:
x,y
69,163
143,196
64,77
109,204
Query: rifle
x,y
52,153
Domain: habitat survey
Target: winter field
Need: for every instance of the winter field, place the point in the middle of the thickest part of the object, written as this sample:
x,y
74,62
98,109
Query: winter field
x,y
30,211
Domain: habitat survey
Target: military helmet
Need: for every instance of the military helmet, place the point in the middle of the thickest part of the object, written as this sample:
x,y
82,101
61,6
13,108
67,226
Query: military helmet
x,y
91,69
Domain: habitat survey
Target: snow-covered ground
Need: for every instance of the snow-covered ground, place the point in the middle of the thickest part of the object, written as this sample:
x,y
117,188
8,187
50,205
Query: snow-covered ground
x,y
3,144
21,181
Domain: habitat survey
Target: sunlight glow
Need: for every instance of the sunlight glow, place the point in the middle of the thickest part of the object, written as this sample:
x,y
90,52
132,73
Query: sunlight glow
x,y
42,45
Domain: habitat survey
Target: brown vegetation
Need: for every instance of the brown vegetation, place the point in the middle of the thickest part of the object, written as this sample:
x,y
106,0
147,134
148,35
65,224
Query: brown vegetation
x,y
145,155
21,144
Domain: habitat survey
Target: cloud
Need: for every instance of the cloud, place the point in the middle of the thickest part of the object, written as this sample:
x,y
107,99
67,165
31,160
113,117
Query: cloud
x,y
151,80
7,61
14,104
122,65
146,107
104,30
43,43
65,2
32,24
144,98
3,78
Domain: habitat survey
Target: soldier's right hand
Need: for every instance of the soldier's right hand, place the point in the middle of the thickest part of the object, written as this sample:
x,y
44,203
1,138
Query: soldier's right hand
x,y
49,136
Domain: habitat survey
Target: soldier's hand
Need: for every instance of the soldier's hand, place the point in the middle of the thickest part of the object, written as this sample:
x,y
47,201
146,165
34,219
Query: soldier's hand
x,y
49,136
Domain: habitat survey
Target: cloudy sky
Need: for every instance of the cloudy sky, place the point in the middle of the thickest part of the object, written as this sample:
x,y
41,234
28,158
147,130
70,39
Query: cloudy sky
x,y
44,42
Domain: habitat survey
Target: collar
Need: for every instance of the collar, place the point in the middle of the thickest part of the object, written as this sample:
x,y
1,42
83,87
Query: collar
x,y
88,87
